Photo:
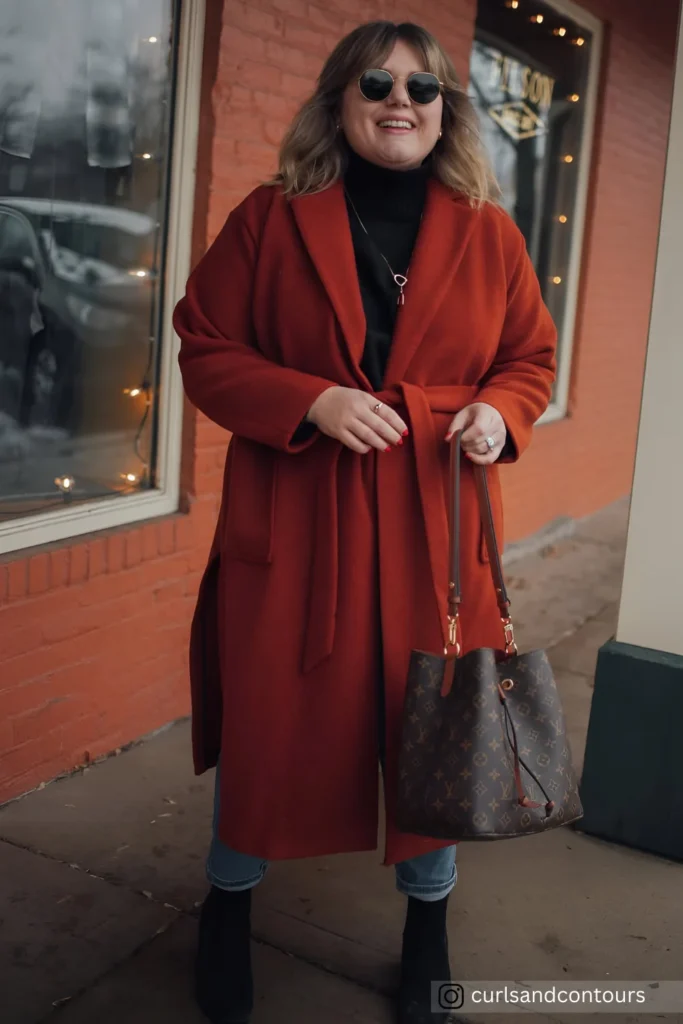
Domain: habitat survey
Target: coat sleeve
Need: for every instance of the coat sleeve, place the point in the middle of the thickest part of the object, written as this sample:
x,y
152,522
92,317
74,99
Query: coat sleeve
x,y
224,373
519,383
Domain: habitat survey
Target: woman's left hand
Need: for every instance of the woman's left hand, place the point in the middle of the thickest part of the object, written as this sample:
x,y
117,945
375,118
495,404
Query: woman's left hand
x,y
478,422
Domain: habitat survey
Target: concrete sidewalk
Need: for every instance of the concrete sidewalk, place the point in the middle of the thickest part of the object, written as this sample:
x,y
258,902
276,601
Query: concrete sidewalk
x,y
101,873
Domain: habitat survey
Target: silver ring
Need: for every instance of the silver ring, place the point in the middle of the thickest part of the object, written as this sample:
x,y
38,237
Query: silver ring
x,y
490,443
377,407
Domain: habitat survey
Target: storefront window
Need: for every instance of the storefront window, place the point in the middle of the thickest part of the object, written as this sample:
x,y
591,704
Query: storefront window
x,y
532,81
86,104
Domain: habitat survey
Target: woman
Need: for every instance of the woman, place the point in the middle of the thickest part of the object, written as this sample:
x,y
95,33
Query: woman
x,y
347,320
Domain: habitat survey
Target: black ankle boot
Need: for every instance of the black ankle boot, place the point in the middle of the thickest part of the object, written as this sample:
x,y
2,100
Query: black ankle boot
x,y
424,960
223,983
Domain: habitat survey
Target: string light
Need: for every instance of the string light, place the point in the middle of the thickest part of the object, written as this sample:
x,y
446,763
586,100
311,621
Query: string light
x,y
138,273
560,31
574,98
152,39
66,485
563,218
557,280
145,388
538,18
146,156
514,4
580,41
568,159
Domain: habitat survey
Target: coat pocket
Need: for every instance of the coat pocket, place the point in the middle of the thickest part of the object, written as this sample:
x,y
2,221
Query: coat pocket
x,y
249,502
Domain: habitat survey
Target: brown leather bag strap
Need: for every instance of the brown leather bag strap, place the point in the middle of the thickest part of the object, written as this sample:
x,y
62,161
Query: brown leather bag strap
x,y
486,516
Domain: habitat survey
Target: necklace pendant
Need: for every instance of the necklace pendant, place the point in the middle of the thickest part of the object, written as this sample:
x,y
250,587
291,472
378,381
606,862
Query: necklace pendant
x,y
401,280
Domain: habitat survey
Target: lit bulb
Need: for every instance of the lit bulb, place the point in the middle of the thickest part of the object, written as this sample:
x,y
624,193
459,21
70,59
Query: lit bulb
x,y
563,218
538,18
130,478
560,32
557,280
514,4
146,156
65,483
138,273
580,41
132,392
152,39
574,98
568,159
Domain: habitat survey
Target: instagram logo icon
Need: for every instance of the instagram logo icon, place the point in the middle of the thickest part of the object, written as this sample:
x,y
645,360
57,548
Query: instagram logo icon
x,y
450,996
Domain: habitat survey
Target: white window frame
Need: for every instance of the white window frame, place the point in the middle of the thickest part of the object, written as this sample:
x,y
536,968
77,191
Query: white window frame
x,y
566,330
75,521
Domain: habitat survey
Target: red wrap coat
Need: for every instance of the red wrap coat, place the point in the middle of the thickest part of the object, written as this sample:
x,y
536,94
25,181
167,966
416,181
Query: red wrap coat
x,y
320,552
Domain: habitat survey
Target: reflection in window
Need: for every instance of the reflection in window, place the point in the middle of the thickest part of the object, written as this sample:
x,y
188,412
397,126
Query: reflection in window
x,y
528,81
86,91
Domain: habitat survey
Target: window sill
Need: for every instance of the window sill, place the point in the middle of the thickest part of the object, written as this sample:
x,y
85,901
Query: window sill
x,y
76,521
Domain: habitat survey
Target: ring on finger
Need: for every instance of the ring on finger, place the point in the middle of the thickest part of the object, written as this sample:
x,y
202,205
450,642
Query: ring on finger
x,y
490,443
376,408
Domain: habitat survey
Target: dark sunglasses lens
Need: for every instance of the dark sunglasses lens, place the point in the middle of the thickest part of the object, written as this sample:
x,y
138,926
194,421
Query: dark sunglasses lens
x,y
423,87
376,85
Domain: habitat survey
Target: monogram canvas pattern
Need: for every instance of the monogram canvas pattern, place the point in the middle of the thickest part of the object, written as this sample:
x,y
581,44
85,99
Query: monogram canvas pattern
x,y
456,778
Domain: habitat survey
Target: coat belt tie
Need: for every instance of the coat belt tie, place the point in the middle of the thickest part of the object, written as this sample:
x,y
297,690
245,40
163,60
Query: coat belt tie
x,y
420,404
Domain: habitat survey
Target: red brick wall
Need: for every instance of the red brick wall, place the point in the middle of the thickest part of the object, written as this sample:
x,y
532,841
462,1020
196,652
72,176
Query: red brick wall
x,y
93,637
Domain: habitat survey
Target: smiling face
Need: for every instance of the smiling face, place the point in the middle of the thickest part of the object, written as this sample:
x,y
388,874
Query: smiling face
x,y
394,133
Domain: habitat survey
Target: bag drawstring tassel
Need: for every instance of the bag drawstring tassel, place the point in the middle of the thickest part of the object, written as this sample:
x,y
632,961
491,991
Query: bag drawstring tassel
x,y
511,734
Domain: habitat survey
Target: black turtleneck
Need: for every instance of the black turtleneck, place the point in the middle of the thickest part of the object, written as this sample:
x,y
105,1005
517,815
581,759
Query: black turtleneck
x,y
390,205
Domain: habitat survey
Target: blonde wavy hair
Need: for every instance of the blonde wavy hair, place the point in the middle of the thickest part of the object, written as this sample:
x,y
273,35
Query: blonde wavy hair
x,y
312,153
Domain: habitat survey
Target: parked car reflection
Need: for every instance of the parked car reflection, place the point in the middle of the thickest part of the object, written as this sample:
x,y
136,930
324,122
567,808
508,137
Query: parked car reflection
x,y
76,294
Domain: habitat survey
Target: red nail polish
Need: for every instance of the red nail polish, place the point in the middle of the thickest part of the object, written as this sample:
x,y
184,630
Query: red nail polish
x,y
399,442
388,449
406,433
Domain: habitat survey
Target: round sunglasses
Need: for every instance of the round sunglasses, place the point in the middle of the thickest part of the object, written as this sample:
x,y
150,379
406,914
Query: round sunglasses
x,y
376,85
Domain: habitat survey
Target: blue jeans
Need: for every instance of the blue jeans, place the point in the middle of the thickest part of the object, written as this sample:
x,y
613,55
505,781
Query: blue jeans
x,y
429,877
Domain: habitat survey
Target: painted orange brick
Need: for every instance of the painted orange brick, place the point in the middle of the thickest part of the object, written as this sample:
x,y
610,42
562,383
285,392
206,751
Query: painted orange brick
x,y
116,548
14,641
165,537
97,557
133,554
17,583
78,565
38,573
43,720
248,17
22,760
59,568
327,20
149,541
20,699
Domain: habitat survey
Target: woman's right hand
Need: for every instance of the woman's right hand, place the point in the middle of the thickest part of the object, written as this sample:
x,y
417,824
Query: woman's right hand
x,y
349,415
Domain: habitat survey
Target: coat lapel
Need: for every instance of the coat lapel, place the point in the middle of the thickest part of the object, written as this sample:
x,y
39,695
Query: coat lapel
x,y
447,226
324,225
